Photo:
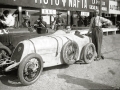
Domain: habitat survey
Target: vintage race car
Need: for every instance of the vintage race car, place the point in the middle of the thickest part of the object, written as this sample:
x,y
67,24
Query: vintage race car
x,y
32,55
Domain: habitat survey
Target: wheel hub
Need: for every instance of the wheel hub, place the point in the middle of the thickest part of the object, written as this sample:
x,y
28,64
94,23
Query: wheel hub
x,y
89,56
71,52
90,53
31,68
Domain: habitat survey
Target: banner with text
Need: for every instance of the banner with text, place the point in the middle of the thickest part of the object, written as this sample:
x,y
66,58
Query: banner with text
x,y
114,7
77,5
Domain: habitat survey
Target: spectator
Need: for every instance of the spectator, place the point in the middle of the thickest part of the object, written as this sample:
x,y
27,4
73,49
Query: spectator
x,y
40,25
80,21
97,33
26,22
60,22
6,20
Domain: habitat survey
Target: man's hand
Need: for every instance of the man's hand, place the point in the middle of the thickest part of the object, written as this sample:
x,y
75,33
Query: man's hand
x,y
89,33
2,21
108,24
35,25
38,20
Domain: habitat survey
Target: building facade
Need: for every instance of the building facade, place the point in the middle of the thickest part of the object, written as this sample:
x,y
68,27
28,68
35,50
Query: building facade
x,y
77,13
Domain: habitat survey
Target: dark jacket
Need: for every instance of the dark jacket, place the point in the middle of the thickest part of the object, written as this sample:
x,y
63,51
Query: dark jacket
x,y
62,23
42,27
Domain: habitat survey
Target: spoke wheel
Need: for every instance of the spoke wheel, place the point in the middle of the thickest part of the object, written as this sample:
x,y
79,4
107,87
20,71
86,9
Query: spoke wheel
x,y
89,53
70,52
30,69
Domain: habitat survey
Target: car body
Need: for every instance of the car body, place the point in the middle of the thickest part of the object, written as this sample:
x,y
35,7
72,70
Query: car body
x,y
32,55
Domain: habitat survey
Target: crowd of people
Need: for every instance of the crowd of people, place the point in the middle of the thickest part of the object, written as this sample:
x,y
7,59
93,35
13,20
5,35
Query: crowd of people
x,y
7,19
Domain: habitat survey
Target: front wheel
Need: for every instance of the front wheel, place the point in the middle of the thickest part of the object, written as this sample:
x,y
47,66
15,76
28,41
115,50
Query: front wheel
x,y
89,53
70,52
30,69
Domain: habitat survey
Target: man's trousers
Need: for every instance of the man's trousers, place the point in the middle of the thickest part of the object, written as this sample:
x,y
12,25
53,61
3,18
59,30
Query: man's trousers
x,y
97,36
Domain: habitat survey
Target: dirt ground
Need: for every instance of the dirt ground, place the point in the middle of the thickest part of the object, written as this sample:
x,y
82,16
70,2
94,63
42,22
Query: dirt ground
x,y
103,74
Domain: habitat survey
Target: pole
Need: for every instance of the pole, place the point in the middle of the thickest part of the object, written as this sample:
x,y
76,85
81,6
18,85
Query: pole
x,y
100,8
68,18
115,18
19,16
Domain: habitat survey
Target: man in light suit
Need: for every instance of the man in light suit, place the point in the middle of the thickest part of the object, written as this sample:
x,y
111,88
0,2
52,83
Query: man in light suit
x,y
97,33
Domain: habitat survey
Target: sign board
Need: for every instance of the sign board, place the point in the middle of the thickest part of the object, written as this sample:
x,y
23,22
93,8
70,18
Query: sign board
x,y
95,4
114,7
85,13
48,11
76,5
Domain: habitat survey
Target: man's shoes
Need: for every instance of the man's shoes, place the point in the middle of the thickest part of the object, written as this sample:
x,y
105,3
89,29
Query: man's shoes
x,y
97,59
102,57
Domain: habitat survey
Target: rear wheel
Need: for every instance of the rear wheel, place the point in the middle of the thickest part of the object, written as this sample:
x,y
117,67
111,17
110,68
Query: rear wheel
x,y
89,53
30,69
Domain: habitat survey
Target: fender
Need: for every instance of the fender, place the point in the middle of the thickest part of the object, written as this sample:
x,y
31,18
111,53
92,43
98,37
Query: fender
x,y
19,53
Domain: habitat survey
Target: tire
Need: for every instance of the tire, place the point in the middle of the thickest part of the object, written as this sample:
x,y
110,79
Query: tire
x,y
70,52
5,52
89,55
30,69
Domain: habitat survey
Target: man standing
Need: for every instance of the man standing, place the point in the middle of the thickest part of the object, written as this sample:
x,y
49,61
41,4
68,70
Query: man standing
x,y
26,22
97,33
60,22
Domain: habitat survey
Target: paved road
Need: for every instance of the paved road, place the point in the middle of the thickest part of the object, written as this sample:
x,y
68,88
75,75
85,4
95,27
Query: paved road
x,y
103,74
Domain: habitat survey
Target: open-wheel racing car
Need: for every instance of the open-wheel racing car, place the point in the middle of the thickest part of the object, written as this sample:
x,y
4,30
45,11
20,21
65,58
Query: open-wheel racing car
x,y
32,55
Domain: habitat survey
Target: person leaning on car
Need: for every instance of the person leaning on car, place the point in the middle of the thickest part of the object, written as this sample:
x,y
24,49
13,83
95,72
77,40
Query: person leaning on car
x,y
97,33
40,25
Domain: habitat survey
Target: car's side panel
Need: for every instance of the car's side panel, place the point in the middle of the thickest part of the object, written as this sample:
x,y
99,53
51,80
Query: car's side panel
x,y
49,48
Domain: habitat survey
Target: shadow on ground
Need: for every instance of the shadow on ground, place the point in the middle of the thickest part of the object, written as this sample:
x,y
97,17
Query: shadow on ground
x,y
56,67
10,78
88,84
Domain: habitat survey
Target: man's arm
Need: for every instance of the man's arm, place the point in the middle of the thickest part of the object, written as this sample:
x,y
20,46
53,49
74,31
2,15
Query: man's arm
x,y
9,21
106,21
